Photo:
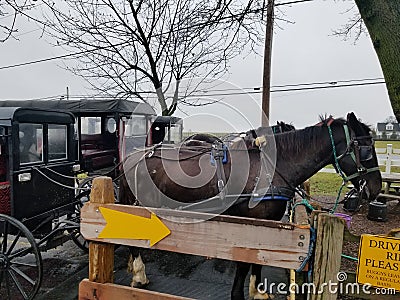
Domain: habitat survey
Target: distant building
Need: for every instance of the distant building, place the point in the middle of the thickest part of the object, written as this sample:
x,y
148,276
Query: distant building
x,y
390,130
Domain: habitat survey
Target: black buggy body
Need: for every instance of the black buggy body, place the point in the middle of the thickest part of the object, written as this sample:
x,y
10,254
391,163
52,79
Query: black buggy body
x,y
36,145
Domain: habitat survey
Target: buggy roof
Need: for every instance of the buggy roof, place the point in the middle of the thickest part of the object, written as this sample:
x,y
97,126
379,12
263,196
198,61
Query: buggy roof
x,y
167,120
24,114
84,106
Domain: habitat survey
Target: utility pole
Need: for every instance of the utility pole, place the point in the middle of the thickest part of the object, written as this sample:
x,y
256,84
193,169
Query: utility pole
x,y
267,64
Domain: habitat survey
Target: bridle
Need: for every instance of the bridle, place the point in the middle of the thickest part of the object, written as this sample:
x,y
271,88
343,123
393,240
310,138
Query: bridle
x,y
357,152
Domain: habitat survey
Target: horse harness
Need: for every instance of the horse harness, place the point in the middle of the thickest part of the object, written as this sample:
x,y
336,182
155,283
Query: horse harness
x,y
219,157
357,152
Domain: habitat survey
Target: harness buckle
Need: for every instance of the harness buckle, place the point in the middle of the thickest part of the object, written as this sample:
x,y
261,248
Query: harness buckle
x,y
362,170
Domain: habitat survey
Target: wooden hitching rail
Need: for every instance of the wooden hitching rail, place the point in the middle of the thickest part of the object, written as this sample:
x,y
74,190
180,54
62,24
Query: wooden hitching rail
x,y
241,239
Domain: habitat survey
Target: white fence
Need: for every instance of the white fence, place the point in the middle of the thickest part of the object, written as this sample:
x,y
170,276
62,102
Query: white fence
x,y
388,157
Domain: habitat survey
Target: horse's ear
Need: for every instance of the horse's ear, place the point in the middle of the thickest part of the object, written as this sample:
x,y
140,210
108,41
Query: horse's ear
x,y
351,119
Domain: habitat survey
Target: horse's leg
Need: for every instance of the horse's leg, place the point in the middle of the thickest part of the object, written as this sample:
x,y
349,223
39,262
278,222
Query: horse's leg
x,y
137,268
237,292
255,280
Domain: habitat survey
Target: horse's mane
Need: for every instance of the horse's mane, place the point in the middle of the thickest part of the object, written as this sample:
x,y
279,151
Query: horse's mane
x,y
309,137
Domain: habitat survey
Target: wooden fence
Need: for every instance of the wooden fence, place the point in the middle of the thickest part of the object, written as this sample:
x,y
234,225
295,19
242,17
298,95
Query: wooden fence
x,y
250,240
391,159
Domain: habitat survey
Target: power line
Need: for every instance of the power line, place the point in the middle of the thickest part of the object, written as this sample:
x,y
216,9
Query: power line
x,y
332,82
291,89
60,56
222,94
292,2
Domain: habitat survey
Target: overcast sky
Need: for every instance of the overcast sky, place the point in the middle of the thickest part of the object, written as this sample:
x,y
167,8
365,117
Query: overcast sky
x,y
303,52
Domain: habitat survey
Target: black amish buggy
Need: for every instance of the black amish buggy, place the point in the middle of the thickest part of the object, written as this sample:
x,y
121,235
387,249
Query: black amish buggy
x,y
36,190
43,147
108,129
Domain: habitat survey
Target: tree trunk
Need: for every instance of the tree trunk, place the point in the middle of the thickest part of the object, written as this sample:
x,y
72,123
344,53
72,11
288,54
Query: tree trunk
x,y
382,19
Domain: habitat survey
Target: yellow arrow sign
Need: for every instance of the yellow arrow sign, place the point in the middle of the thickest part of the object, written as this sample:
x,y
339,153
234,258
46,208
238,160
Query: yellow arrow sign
x,y
122,225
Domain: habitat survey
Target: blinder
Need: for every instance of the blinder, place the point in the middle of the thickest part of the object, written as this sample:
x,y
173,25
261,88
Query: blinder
x,y
365,152
358,153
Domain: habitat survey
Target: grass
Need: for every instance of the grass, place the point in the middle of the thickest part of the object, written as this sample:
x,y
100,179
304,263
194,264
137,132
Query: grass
x,y
326,184
383,144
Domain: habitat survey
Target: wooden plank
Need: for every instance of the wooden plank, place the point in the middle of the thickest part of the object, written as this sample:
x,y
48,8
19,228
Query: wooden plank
x,y
101,256
96,291
388,196
391,177
328,249
300,212
241,239
301,215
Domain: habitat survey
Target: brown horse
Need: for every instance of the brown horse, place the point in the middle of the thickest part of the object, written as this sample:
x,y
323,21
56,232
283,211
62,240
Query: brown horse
x,y
175,177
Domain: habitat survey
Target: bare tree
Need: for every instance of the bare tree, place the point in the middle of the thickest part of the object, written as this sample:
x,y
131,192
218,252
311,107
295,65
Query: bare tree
x,y
10,10
143,48
391,119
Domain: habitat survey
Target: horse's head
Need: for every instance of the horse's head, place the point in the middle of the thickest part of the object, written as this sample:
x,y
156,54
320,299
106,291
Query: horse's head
x,y
354,154
281,127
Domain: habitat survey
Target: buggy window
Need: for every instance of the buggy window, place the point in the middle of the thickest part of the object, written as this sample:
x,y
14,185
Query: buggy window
x,y
173,134
30,143
90,125
135,126
111,125
57,141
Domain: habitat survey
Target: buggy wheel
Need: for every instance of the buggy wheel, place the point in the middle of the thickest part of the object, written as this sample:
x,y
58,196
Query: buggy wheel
x,y
20,261
76,235
86,185
81,198
79,240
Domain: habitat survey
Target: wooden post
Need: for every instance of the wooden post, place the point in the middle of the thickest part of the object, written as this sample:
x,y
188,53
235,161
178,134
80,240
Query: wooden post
x,y
388,165
328,250
269,32
101,255
389,153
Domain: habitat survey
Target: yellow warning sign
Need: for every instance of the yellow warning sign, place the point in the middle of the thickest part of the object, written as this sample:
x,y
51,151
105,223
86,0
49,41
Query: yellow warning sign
x,y
379,261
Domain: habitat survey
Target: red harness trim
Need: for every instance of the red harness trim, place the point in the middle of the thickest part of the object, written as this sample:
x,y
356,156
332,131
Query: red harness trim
x,y
328,122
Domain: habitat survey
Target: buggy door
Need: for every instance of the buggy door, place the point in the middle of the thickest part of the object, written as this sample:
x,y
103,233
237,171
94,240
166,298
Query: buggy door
x,y
42,181
133,134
